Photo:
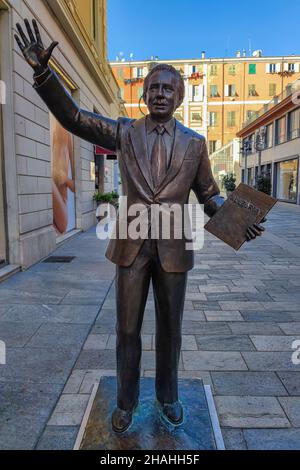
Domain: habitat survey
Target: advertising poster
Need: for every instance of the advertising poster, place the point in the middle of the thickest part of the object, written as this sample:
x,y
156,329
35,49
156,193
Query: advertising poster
x,y
63,178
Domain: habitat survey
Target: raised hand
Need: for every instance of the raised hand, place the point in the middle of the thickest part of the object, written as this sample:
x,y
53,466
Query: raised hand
x,y
33,49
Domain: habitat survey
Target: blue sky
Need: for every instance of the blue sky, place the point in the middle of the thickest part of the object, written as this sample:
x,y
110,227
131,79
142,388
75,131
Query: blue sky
x,y
173,29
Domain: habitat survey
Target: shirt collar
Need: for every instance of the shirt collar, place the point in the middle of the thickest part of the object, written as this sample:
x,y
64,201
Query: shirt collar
x,y
169,125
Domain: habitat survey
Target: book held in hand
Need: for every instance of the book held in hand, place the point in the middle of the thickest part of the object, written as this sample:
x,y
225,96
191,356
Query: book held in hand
x,y
243,208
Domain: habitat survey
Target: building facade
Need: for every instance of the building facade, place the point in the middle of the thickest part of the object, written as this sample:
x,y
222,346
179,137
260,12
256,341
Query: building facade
x,y
220,94
48,177
226,160
271,146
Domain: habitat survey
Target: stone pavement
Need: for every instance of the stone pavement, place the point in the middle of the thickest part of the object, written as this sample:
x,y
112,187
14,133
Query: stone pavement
x,y
242,314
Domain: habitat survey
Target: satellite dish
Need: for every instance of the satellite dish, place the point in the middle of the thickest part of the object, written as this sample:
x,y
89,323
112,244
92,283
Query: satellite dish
x,y
257,53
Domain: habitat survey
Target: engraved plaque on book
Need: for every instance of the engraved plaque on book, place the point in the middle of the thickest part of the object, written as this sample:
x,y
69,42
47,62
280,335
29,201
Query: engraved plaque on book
x,y
243,208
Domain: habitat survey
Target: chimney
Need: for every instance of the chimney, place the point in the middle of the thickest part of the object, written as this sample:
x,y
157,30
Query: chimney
x,y
203,55
238,53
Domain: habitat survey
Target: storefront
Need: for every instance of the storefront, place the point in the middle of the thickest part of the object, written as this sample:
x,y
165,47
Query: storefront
x,y
47,176
286,174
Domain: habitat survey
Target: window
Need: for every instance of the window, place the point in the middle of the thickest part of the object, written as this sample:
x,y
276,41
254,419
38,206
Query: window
x,y
252,69
291,67
294,124
231,90
280,130
140,72
251,115
272,89
272,68
252,90
231,70
213,70
212,145
214,91
269,136
121,93
231,119
213,118
196,117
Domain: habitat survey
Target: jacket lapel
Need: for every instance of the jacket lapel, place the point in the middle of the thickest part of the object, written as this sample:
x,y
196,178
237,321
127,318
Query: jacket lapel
x,y
182,139
139,143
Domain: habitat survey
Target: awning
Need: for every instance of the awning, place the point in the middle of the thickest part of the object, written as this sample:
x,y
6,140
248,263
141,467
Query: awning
x,y
103,151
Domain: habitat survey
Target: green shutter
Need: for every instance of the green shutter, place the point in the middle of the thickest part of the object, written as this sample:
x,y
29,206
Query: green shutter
x,y
252,69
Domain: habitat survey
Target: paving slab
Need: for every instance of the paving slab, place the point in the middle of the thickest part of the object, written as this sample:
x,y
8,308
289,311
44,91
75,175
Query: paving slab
x,y
247,384
248,412
212,360
224,343
291,406
291,381
272,439
272,361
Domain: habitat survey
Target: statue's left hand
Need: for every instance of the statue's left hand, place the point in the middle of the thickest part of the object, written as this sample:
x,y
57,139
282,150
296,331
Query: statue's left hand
x,y
255,230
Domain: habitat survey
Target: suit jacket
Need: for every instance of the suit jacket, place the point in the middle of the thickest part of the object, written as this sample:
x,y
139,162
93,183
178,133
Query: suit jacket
x,y
189,170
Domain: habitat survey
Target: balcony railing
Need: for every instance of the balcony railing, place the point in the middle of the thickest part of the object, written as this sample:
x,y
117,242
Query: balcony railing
x,y
289,90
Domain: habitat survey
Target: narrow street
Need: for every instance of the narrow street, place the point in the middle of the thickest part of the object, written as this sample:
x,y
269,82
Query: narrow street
x,y
242,314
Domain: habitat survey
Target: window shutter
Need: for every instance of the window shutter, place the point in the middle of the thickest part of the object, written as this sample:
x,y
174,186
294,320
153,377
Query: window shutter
x,y
285,67
226,90
297,68
134,72
233,90
267,68
190,92
145,71
200,92
277,68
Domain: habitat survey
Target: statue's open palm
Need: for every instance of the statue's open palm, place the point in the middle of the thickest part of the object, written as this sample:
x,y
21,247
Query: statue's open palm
x,y
33,49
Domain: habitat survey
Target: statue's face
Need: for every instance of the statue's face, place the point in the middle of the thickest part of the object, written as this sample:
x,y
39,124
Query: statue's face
x,y
162,95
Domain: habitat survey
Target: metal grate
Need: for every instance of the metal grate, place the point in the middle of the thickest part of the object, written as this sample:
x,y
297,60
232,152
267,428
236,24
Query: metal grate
x,y
59,259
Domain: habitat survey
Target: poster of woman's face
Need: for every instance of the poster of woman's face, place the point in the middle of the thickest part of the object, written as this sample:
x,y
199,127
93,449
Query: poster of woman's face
x,y
63,178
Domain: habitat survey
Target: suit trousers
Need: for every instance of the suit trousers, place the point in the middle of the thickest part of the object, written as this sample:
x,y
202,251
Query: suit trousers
x,y
132,287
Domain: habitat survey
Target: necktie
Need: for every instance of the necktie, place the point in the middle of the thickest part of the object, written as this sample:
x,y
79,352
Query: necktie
x,y
159,164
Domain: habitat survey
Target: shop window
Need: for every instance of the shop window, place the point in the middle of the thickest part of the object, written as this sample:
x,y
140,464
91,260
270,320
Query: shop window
x,y
286,180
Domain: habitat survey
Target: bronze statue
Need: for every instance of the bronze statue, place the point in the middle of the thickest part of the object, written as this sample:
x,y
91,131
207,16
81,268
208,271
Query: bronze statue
x,y
160,161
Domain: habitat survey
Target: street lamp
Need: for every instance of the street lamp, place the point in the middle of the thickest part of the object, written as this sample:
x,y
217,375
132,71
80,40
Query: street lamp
x,y
246,149
260,145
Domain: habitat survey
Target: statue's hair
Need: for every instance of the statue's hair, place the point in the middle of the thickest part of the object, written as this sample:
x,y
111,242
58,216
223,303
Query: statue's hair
x,y
176,74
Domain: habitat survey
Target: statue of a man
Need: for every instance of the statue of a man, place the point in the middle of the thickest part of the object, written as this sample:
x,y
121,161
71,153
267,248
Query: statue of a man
x,y
160,161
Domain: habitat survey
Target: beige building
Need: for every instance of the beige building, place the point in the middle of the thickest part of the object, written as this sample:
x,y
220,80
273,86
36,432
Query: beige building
x,y
220,94
271,144
28,145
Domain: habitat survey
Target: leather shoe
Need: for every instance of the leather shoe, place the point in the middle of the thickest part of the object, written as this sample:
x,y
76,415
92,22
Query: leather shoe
x,y
121,419
172,412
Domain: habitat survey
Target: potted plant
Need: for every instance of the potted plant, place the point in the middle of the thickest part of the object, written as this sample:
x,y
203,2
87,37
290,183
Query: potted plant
x,y
102,199
115,199
228,182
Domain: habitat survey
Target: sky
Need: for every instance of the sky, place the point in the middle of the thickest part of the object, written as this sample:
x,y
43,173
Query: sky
x,y
177,29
